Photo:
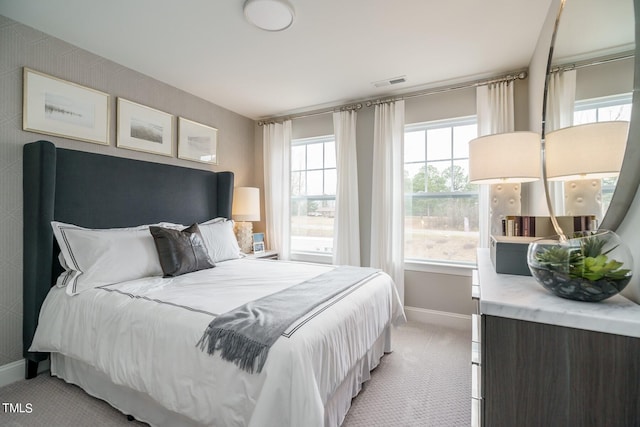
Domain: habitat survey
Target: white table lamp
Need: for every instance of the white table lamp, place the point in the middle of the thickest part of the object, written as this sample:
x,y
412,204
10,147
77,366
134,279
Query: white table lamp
x,y
581,156
593,150
245,209
504,160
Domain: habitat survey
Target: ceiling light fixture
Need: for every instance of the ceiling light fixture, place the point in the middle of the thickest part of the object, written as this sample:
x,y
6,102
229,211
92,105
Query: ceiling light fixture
x,y
269,15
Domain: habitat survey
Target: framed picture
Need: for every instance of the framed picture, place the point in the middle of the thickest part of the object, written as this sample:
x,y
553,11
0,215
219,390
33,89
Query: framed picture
x,y
197,142
56,107
258,247
258,243
145,129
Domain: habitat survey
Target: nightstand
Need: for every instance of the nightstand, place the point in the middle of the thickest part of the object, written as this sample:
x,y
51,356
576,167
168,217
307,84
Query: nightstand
x,y
263,255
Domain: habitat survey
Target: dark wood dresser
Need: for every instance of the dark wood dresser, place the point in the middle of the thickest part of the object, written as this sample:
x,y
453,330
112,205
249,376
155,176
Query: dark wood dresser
x,y
540,360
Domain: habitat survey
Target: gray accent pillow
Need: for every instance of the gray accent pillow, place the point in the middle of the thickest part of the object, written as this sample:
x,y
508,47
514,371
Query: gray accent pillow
x,y
180,252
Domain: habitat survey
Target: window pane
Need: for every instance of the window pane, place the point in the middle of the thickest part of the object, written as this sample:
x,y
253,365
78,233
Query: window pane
x,y
441,229
314,183
439,176
616,112
330,154
315,156
584,116
297,157
414,146
414,177
297,183
330,181
312,225
439,143
460,178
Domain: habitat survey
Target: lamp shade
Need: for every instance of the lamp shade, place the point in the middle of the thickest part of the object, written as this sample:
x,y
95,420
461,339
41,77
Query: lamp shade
x,y
593,150
504,157
246,204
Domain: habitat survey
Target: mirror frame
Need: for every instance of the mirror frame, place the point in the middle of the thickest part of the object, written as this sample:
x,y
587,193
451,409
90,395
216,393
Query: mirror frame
x,y
629,178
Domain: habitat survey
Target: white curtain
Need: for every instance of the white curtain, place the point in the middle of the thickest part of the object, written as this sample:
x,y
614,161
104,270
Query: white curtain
x,y
346,227
494,107
387,198
277,177
561,100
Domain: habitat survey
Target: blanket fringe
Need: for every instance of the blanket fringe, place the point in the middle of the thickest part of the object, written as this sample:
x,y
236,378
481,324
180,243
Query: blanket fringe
x,y
234,347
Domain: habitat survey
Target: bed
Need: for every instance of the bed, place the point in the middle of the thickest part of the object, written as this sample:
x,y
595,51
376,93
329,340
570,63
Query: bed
x,y
133,343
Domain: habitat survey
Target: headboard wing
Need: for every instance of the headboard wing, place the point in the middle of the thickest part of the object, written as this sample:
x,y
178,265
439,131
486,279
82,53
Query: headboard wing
x,y
38,186
99,191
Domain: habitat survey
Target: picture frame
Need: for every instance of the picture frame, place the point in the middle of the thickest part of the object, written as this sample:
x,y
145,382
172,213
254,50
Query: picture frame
x,y
258,243
143,128
197,142
53,106
258,247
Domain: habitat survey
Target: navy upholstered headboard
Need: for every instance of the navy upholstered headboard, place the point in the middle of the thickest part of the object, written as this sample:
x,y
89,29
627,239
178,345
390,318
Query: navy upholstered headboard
x,y
99,191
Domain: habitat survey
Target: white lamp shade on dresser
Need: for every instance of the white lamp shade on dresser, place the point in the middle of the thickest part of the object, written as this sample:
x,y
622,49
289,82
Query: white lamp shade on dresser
x,y
593,150
504,157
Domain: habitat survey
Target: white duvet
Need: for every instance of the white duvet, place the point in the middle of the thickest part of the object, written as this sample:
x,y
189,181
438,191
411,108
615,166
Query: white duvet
x,y
142,334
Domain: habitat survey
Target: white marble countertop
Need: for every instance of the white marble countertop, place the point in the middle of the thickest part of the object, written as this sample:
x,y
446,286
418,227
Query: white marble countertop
x,y
522,298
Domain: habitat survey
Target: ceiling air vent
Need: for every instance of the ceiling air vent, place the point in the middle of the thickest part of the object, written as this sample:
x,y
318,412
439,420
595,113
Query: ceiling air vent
x,y
389,82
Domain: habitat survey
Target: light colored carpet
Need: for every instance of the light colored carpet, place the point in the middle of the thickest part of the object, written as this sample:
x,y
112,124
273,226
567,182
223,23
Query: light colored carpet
x,y
426,381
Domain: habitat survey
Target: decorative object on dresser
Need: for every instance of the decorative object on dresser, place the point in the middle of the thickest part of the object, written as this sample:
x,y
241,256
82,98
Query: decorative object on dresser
x,y
507,160
577,156
197,142
592,266
144,129
56,107
245,209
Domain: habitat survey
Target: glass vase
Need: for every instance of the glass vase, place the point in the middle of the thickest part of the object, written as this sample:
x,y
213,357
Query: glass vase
x,y
590,266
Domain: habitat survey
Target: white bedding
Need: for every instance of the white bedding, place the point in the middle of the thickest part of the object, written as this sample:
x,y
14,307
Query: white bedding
x,y
142,335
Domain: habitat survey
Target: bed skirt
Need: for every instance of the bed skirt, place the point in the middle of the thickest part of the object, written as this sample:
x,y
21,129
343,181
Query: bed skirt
x,y
144,408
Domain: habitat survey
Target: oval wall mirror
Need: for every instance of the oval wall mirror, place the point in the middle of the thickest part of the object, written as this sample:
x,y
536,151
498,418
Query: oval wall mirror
x,y
590,78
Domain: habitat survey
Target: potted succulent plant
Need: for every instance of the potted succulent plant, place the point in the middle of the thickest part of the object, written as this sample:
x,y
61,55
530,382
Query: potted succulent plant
x,y
592,266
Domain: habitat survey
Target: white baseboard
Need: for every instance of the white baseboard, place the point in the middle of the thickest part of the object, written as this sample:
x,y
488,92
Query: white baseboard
x,y
442,318
14,371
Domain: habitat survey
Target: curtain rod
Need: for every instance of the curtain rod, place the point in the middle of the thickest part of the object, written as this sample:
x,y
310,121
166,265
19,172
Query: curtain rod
x,y
591,62
518,75
509,77
348,107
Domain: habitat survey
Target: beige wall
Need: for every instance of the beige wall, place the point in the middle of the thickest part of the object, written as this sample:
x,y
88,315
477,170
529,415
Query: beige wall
x,y
22,46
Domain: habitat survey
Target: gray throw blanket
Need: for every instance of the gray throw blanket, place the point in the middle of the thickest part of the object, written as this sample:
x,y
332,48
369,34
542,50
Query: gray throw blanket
x,y
245,334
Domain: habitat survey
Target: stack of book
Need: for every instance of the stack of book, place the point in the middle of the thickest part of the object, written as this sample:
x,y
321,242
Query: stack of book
x,y
541,226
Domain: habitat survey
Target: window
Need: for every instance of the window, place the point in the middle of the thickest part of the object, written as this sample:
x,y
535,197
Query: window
x,y
441,207
313,194
617,107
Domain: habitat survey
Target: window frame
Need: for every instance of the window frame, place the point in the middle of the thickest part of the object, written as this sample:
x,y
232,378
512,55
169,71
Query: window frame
x,y
461,268
310,256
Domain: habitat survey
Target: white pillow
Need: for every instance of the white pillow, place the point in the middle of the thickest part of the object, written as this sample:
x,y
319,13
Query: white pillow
x,y
214,221
98,257
220,240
